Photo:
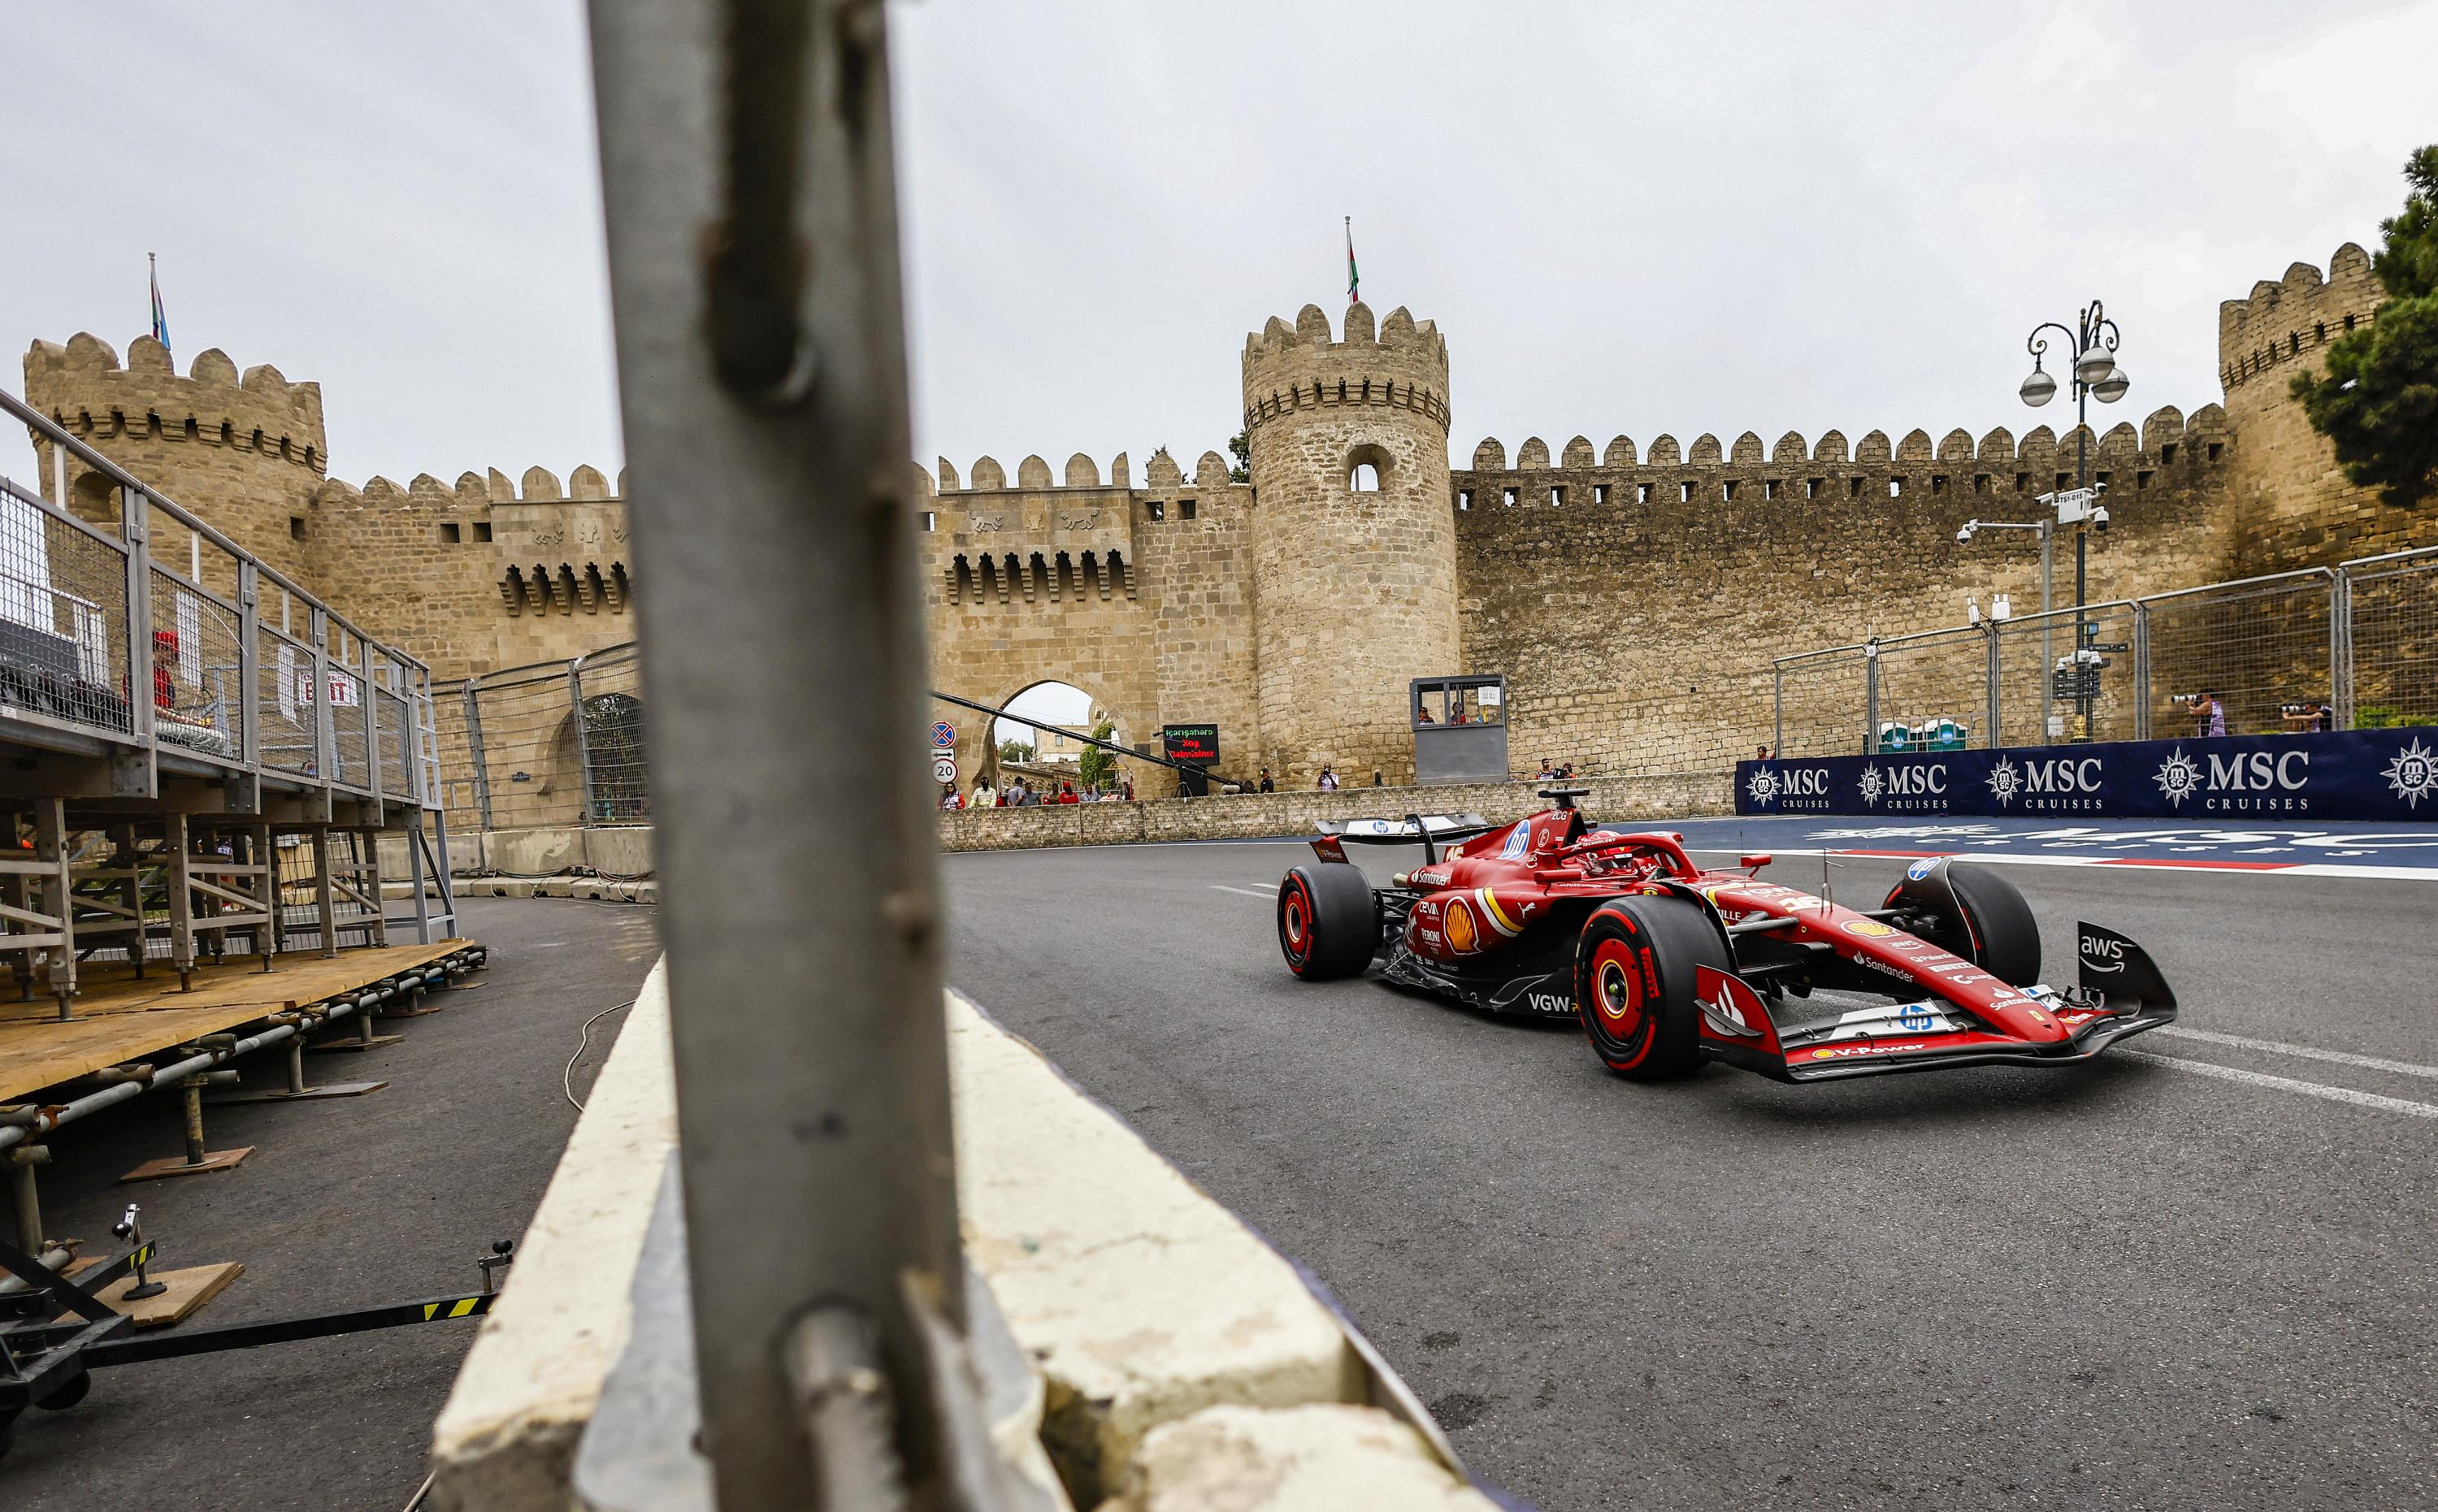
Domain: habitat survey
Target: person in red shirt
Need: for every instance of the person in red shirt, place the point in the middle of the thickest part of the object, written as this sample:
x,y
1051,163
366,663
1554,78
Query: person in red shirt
x,y
1067,793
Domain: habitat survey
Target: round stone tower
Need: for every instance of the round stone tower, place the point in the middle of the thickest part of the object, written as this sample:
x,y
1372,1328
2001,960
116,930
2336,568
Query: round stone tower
x,y
1353,538
246,453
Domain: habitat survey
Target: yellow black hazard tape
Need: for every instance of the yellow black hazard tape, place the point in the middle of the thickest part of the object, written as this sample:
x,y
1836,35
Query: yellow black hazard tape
x,y
467,1306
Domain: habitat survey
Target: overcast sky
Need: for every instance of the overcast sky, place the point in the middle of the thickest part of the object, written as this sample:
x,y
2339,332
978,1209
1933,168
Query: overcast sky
x,y
1625,218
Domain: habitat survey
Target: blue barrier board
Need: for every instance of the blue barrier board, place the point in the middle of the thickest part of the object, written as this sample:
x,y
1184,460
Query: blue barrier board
x,y
2379,774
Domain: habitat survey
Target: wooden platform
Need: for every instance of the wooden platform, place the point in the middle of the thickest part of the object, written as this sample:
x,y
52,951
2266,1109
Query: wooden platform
x,y
123,1019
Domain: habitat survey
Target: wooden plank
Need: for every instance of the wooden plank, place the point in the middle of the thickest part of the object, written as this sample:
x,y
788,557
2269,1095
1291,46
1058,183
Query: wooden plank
x,y
190,1288
126,1019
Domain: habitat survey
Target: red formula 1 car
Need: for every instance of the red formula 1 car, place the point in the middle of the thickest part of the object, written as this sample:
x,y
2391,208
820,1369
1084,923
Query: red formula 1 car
x,y
1667,965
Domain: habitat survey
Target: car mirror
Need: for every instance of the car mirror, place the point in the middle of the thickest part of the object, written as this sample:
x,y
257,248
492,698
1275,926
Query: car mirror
x,y
1754,862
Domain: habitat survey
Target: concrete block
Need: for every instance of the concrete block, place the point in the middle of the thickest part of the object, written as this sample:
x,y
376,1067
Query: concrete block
x,y
555,888
1322,1458
499,887
1145,1300
535,852
507,1434
623,852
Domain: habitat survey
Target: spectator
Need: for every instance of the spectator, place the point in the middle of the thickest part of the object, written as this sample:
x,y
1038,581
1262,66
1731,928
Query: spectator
x,y
1762,755
1130,789
950,799
1456,717
984,796
1067,793
1328,779
1426,718
2209,714
1268,784
2323,718
1549,773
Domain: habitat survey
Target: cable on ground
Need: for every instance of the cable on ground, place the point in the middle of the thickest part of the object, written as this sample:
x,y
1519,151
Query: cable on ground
x,y
567,1078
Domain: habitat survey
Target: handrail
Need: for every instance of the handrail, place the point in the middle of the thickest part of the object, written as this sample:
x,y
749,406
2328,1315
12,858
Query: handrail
x,y
94,461
376,667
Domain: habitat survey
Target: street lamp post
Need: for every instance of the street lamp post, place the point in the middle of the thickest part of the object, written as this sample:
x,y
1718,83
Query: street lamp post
x,y
2096,374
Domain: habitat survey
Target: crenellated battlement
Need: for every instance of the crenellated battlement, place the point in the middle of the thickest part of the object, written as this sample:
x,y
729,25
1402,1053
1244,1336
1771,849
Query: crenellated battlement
x,y
2165,437
83,387
473,491
1403,364
2287,322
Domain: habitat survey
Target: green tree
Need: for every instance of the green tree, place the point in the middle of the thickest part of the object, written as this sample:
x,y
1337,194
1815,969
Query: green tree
x,y
1239,447
1014,750
2378,403
1093,767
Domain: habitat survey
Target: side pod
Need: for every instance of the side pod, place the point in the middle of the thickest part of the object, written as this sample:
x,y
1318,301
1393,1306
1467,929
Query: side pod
x,y
2121,973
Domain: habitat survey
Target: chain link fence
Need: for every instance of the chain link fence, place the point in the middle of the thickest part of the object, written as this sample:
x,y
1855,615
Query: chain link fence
x,y
2344,647
2392,637
550,745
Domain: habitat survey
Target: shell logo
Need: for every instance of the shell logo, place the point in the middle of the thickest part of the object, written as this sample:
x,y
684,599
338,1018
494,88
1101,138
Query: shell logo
x,y
1870,927
1461,936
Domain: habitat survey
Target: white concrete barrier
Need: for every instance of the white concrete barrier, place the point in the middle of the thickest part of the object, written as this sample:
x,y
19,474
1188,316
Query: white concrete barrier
x,y
1185,1364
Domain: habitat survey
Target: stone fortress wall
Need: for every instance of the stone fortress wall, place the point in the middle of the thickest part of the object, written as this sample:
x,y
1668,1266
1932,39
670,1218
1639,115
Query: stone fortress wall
x,y
471,576
1634,595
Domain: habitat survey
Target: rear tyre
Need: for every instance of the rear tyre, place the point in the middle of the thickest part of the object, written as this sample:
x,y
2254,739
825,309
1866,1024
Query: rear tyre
x,y
1634,967
2005,939
1328,922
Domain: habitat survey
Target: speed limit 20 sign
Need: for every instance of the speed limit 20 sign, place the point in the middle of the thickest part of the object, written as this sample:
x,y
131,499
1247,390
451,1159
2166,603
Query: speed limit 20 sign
x,y
944,768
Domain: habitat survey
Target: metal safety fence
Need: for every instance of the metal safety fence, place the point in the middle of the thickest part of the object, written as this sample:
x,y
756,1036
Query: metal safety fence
x,y
2352,646
549,744
126,619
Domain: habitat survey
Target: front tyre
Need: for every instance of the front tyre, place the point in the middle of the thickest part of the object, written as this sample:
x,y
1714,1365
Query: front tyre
x,y
1328,922
1634,965
2005,938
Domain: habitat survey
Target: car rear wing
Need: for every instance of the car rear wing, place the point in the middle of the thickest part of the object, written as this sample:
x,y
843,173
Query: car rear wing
x,y
1427,830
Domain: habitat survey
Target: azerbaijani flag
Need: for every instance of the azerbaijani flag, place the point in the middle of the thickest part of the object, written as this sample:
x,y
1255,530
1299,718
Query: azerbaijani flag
x,y
160,317
1354,279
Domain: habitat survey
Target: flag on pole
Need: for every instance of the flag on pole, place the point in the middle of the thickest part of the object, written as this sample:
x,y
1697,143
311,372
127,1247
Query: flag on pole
x,y
1354,279
160,317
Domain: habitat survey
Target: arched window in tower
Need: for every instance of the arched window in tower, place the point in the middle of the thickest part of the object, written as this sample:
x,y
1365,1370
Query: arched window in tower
x,y
1366,465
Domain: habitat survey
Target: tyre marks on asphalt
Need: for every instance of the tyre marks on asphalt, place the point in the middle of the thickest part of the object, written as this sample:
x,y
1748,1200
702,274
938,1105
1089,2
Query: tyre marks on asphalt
x,y
1266,894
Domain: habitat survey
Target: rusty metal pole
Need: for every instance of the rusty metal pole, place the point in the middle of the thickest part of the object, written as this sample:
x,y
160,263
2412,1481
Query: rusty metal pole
x,y
752,234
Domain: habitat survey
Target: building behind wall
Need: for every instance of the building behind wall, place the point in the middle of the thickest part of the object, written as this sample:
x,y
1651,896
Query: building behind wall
x,y
1633,592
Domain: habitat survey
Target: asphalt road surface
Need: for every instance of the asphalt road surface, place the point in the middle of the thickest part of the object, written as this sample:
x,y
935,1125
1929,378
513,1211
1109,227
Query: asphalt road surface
x,y
344,1203
2195,1275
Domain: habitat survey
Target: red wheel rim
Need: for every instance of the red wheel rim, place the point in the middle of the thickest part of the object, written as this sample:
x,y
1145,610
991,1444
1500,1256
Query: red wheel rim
x,y
1295,923
1616,991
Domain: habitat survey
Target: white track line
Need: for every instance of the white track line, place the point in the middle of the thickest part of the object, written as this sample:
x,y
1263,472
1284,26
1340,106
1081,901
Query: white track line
x,y
2370,1063
1245,893
2282,1083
